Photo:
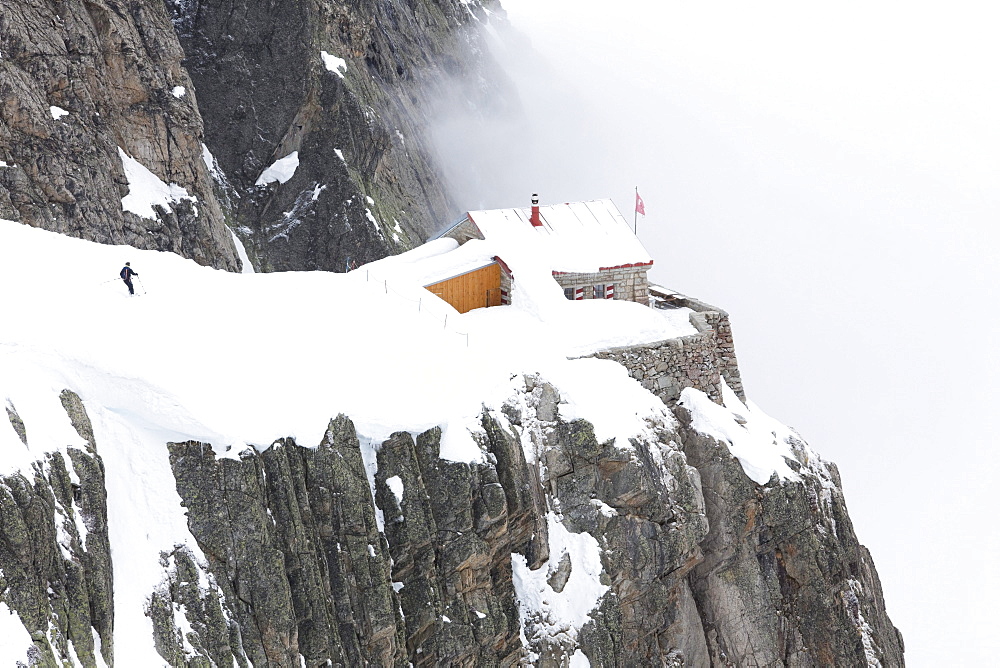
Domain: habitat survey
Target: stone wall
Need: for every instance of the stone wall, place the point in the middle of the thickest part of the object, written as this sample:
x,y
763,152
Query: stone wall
x,y
462,232
699,360
630,282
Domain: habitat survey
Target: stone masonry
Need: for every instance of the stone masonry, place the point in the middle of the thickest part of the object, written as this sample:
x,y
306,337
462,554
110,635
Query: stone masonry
x,y
462,232
697,360
630,282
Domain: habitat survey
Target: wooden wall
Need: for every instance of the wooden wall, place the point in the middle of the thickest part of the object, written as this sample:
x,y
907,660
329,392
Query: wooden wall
x,y
475,289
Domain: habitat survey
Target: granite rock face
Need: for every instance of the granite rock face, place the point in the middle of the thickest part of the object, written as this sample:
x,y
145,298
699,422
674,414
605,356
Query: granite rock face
x,y
55,558
351,552
398,556
344,90
785,555
293,538
81,82
347,87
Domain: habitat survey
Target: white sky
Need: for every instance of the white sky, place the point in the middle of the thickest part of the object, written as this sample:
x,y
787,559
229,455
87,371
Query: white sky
x,y
828,173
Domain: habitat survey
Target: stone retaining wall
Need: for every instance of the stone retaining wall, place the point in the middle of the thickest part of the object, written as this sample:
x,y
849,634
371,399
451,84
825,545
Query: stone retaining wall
x,y
696,360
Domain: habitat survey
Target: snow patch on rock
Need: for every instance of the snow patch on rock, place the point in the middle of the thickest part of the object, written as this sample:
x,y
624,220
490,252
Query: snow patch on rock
x,y
552,617
759,442
15,641
211,164
241,252
146,190
395,483
281,170
334,64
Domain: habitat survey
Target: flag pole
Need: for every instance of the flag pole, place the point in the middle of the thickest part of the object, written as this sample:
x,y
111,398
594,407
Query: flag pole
x,y
635,214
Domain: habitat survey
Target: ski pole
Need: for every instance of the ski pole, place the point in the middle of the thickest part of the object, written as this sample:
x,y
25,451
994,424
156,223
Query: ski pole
x,y
139,281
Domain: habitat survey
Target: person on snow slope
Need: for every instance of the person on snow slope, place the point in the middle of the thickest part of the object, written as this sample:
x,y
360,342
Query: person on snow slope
x,y
127,273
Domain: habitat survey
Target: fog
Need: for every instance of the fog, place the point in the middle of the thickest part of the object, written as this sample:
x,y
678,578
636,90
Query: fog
x,y
827,173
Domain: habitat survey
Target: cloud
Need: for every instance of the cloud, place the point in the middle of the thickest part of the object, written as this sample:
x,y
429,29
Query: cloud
x,y
828,174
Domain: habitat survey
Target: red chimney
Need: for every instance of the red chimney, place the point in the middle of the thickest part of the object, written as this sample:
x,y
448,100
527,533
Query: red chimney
x,y
536,218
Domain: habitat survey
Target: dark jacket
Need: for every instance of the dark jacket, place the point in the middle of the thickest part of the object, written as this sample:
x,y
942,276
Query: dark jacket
x,y
127,273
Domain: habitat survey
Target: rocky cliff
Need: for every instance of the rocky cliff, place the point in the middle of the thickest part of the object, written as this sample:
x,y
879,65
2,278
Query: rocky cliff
x,y
55,559
207,95
553,548
89,90
300,125
347,87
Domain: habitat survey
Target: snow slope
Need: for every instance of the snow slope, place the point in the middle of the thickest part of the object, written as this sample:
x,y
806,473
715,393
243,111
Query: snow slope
x,y
243,359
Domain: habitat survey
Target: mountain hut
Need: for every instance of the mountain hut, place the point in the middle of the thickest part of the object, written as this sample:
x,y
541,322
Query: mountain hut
x,y
593,252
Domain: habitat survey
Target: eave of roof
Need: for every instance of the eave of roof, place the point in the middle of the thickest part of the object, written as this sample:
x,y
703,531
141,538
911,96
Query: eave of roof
x,y
630,265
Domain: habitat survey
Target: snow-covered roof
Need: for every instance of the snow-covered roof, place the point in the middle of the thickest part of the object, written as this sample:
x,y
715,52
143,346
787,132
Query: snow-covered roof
x,y
576,237
435,261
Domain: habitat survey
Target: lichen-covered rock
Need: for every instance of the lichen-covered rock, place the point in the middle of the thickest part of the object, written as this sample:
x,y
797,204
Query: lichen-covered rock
x,y
291,539
451,532
643,504
385,554
192,624
55,559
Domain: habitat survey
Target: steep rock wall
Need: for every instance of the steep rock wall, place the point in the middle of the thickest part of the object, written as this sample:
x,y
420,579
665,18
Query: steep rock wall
x,y
79,81
55,558
357,553
690,549
346,86
349,86
784,580
294,539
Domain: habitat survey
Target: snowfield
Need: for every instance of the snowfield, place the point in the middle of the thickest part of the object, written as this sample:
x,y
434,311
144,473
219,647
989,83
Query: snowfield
x,y
238,360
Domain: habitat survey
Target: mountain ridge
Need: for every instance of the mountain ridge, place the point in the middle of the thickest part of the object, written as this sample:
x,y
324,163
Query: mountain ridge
x,y
386,536
310,468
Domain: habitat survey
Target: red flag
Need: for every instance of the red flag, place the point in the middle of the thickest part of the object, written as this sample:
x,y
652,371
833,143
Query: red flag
x,y
639,206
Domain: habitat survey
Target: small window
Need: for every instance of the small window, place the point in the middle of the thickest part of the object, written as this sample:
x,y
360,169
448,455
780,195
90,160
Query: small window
x,y
598,292
569,293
